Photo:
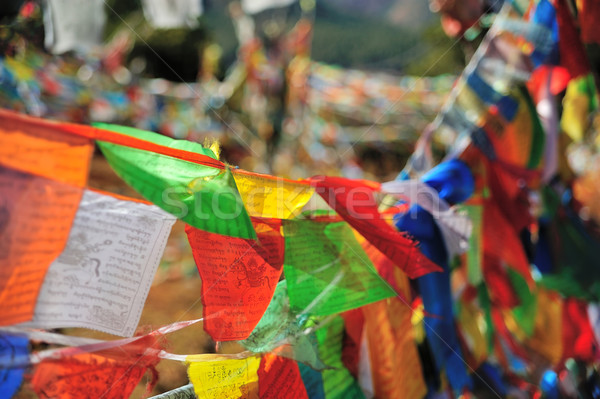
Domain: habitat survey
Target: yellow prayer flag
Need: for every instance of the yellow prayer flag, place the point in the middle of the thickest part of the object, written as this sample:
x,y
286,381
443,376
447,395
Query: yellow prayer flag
x,y
577,105
472,327
547,335
272,198
222,377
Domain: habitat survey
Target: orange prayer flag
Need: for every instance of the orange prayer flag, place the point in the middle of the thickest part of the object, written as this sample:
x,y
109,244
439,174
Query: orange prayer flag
x,y
35,220
42,174
547,334
45,151
395,364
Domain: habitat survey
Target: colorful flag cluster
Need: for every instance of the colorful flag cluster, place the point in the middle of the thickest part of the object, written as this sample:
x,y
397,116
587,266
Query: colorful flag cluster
x,y
477,277
75,257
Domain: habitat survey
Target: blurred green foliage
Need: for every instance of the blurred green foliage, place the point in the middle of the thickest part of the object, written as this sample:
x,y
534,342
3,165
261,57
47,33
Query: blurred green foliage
x,y
438,54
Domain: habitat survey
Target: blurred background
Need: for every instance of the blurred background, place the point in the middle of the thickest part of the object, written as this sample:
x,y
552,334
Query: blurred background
x,y
289,88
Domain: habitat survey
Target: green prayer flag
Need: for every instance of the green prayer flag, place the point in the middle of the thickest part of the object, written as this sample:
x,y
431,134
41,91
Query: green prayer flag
x,y
574,249
285,333
156,138
204,197
486,306
475,254
524,313
327,270
538,137
337,380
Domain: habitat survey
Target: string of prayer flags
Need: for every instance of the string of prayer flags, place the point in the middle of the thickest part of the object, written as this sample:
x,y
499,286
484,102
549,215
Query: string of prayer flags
x,y
285,333
263,196
239,277
482,104
150,343
14,356
101,279
507,105
227,377
354,201
42,175
515,139
327,271
203,197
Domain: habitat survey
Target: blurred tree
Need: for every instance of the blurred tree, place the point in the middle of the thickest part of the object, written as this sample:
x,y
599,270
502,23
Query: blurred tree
x,y
172,54
10,9
437,54
359,42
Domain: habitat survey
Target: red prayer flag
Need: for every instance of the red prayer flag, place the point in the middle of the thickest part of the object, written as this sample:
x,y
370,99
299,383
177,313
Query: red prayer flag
x,y
354,321
499,284
354,201
279,378
572,52
578,337
497,230
589,15
238,277
108,374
